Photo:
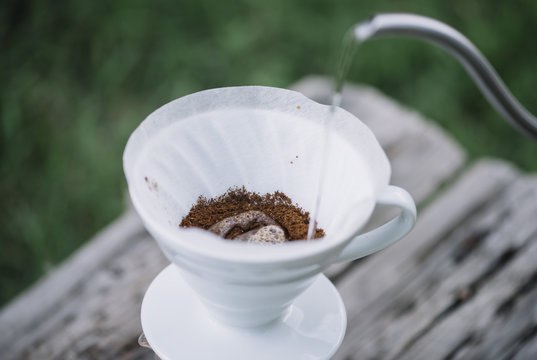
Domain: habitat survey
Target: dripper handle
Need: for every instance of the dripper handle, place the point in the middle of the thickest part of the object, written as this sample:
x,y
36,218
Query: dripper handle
x,y
387,234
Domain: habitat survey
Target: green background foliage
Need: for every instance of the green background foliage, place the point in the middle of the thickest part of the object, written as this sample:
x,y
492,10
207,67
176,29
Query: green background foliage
x,y
78,76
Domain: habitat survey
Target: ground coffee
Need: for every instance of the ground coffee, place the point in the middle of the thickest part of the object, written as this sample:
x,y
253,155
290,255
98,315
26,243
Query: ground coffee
x,y
278,206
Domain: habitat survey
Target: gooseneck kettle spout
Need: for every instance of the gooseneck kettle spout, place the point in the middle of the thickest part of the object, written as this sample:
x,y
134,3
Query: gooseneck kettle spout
x,y
477,66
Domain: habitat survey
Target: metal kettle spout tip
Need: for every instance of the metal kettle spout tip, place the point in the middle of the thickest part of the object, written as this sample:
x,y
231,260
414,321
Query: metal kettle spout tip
x,y
456,44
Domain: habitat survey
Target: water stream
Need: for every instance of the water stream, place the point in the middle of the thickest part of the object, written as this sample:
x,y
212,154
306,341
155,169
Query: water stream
x,y
348,47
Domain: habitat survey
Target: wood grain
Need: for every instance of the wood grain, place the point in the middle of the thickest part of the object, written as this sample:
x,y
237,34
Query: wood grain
x,y
459,285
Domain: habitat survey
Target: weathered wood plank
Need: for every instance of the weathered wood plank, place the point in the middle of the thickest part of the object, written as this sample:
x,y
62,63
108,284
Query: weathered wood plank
x,y
510,333
426,279
495,314
20,319
474,189
100,318
528,351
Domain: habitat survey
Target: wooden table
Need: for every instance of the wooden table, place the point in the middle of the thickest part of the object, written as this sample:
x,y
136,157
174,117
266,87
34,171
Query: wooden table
x,y
461,285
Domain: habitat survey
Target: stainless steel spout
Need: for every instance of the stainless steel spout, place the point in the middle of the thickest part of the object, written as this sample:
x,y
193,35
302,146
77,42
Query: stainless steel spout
x,y
477,66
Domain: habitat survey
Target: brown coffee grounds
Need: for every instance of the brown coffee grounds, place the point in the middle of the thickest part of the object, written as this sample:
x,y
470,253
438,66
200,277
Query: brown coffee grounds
x,y
293,219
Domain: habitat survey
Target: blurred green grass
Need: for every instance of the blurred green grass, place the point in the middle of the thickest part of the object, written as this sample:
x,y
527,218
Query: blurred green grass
x,y
78,76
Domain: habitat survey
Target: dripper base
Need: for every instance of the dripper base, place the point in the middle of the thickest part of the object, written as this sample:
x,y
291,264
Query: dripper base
x,y
178,326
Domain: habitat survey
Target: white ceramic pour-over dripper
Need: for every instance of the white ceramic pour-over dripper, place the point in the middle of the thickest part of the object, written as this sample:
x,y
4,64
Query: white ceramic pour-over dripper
x,y
266,139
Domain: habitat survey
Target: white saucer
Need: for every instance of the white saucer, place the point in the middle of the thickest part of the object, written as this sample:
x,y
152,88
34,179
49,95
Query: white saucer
x,y
177,326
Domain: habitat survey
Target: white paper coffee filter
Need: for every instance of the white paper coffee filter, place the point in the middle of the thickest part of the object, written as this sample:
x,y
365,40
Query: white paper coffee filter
x,y
265,139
